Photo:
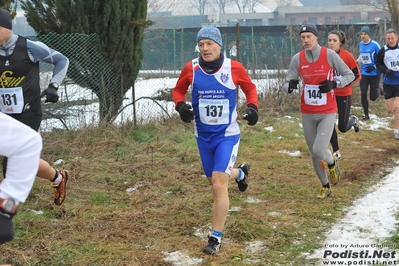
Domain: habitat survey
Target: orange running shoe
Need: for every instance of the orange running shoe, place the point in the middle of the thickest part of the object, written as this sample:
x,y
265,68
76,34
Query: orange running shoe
x,y
60,189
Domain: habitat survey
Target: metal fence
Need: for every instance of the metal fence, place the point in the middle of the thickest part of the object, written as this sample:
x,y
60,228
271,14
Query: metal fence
x,y
165,53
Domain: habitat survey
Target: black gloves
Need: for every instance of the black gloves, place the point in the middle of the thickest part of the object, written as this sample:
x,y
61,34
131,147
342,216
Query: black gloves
x,y
187,114
370,69
293,85
51,94
389,72
327,85
252,114
6,227
186,111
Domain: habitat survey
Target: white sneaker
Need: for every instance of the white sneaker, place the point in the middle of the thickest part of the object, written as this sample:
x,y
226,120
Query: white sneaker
x,y
337,155
396,134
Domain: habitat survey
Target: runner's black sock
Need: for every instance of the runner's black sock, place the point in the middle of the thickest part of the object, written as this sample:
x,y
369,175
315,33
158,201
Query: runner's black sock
x,y
327,185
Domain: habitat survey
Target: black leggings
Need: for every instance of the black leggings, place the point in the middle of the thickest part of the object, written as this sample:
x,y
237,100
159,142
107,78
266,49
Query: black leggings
x,y
30,119
344,104
374,82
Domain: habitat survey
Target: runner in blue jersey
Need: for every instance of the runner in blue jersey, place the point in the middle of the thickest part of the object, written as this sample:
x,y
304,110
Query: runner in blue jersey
x,y
368,50
20,89
214,81
388,63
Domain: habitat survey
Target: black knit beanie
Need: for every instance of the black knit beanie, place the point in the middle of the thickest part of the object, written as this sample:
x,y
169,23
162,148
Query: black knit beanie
x,y
5,19
309,27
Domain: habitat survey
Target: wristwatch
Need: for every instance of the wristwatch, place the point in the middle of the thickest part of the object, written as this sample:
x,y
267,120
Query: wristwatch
x,y
8,205
55,85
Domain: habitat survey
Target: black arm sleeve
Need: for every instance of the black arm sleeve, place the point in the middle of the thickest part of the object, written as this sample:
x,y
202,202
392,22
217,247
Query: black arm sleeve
x,y
380,61
355,71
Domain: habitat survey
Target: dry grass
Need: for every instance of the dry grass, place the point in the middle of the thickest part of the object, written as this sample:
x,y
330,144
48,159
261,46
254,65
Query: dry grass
x,y
101,223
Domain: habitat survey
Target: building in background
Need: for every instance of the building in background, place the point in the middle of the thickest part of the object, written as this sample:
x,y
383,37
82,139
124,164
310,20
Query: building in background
x,y
337,12
333,12
330,15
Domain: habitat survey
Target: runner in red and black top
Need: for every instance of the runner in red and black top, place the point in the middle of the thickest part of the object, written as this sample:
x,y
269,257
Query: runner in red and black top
x,y
213,81
316,66
343,96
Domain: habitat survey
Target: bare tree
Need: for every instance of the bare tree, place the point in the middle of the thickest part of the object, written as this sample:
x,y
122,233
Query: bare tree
x,y
284,3
199,5
162,8
251,5
394,12
242,5
222,5
247,5
157,6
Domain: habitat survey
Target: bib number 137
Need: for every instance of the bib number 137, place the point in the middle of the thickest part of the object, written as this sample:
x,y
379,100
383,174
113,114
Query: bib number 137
x,y
214,112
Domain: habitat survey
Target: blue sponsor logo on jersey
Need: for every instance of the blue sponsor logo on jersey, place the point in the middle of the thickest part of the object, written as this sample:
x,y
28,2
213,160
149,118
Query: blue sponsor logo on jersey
x,y
224,77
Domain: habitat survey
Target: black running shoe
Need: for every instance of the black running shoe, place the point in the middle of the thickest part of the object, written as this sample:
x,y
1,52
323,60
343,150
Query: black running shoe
x,y
213,246
243,183
356,126
366,118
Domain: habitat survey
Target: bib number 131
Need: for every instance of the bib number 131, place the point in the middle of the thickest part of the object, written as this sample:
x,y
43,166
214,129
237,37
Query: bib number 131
x,y
11,100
